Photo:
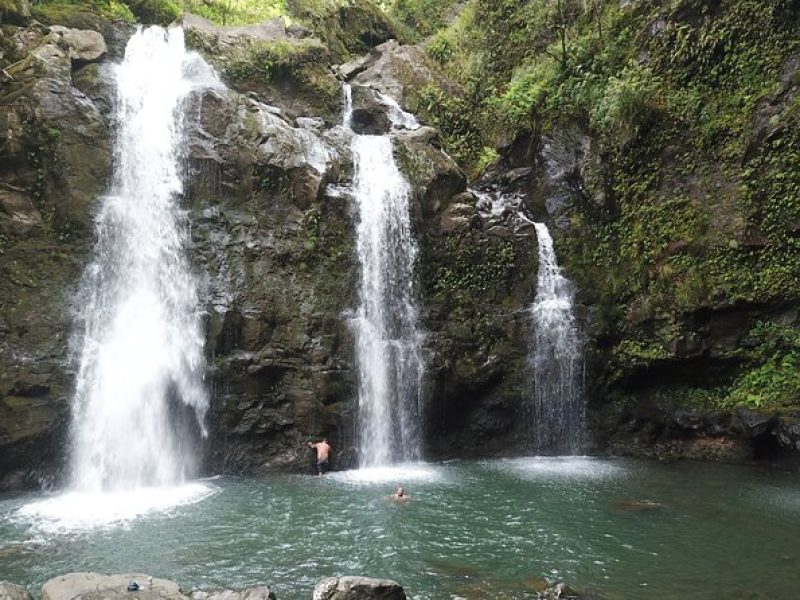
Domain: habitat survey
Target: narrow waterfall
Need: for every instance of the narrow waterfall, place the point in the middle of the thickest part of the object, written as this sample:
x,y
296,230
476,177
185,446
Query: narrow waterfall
x,y
140,398
556,357
388,340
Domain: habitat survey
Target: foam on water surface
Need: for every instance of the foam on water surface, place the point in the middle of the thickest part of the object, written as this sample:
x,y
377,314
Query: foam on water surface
x,y
399,474
76,511
563,467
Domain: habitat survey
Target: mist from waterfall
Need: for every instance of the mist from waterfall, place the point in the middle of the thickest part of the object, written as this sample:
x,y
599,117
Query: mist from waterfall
x,y
558,418
140,399
388,339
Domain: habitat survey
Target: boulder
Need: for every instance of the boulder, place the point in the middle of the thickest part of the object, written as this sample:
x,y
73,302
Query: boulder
x,y
752,423
788,433
17,12
395,70
96,586
566,178
81,45
260,592
222,36
17,212
358,588
12,591
370,116
288,69
435,177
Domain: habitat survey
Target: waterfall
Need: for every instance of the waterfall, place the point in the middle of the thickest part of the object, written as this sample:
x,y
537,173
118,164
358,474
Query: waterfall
x,y
140,399
556,358
388,340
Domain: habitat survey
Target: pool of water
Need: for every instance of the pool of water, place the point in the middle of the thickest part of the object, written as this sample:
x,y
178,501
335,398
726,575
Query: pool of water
x,y
485,529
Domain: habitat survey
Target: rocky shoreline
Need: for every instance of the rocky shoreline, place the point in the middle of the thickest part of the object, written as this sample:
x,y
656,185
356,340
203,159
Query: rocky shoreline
x,y
138,586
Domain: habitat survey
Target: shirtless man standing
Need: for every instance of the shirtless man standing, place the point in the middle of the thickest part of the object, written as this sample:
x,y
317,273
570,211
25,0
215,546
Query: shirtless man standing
x,y
323,449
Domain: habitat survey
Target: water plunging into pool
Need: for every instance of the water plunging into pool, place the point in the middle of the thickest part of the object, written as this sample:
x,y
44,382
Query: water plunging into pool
x,y
556,358
388,340
140,398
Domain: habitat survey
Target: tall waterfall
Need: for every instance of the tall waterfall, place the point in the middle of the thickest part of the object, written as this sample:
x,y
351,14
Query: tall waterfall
x,y
557,358
388,340
140,397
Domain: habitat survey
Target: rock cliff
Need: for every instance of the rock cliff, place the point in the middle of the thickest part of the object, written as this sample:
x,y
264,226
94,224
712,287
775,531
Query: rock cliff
x,y
267,179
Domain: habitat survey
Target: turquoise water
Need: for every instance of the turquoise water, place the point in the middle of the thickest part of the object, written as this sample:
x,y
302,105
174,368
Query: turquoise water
x,y
472,530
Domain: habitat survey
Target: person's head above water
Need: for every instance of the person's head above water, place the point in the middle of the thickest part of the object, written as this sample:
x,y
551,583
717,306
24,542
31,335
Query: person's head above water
x,y
400,491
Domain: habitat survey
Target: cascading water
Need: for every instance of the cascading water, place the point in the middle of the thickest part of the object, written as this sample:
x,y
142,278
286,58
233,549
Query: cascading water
x,y
140,341
388,340
556,357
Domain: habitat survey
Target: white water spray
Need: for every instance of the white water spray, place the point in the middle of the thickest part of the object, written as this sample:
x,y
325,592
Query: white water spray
x,y
388,341
557,358
140,381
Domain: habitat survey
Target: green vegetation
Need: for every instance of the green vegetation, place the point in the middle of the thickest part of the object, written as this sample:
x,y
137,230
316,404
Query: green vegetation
x,y
419,18
692,170
773,381
76,12
276,59
345,26
301,64
234,12
42,153
162,12
697,183
226,12
462,268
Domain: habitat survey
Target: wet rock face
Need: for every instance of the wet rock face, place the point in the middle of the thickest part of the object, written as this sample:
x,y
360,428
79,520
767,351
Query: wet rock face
x,y
276,249
54,162
273,234
392,69
282,64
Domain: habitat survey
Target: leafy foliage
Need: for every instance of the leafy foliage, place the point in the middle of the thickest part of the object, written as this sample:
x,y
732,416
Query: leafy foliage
x,y
236,12
60,11
775,379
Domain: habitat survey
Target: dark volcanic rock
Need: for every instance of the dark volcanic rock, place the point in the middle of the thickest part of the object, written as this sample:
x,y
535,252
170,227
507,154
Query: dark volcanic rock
x,y
55,162
267,196
358,588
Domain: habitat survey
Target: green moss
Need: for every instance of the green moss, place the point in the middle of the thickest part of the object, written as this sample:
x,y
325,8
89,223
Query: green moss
x,y
42,145
462,267
346,27
773,377
420,18
234,12
160,12
302,64
79,13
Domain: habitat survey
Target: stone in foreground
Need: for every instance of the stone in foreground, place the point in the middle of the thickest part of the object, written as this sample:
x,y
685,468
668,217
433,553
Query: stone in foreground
x,y
252,593
95,586
12,591
358,588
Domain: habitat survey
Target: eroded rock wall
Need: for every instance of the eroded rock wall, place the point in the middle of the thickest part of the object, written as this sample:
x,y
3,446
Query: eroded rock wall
x,y
267,176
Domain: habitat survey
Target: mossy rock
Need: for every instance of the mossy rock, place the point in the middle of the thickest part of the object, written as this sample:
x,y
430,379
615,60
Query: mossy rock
x,y
16,12
158,12
70,15
293,70
345,26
